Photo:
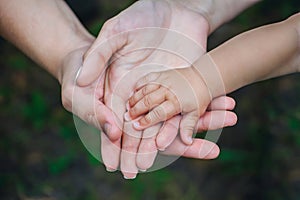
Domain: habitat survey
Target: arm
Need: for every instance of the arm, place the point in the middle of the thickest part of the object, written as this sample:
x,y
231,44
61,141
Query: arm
x,y
259,54
44,30
49,32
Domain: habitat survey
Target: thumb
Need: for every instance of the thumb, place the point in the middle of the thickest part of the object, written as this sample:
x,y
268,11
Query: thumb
x,y
187,127
108,42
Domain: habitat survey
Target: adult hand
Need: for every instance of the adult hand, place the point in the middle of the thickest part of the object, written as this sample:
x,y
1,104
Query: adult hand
x,y
85,102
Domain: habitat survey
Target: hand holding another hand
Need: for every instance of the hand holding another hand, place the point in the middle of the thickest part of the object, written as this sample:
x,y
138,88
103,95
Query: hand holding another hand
x,y
146,34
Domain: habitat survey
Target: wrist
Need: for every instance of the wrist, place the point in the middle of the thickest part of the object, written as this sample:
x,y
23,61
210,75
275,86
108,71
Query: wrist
x,y
74,37
199,87
75,45
206,68
205,8
214,12
218,12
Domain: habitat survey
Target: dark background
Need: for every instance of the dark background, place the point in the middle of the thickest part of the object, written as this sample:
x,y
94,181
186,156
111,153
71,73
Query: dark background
x,y
41,156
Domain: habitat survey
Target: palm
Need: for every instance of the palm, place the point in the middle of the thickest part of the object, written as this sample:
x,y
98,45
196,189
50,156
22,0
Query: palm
x,y
153,44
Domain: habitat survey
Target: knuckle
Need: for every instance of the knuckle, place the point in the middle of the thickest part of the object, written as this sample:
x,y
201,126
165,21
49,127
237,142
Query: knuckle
x,y
109,25
189,105
133,111
66,99
132,100
147,101
145,90
190,123
205,124
148,118
90,119
148,146
158,113
171,126
130,146
177,105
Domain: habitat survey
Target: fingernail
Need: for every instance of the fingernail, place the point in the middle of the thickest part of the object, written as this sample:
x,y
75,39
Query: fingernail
x,y
136,125
127,117
190,140
129,178
162,149
143,170
110,169
78,73
107,128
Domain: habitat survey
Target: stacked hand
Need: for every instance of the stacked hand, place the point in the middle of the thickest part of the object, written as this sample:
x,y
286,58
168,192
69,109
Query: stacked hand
x,y
144,38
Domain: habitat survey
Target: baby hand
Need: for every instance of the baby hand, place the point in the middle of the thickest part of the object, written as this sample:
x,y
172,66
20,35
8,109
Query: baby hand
x,y
162,95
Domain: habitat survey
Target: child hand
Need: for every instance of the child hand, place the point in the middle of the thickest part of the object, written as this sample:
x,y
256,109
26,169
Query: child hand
x,y
162,95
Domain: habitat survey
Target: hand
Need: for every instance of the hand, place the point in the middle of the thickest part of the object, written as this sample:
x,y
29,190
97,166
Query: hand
x,y
118,41
168,93
85,102
139,154
82,101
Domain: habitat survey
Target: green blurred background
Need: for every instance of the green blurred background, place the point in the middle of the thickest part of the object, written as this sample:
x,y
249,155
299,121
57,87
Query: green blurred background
x,y
41,156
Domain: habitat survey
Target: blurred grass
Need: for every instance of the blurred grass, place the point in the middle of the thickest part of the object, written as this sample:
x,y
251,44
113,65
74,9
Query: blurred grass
x,y
41,156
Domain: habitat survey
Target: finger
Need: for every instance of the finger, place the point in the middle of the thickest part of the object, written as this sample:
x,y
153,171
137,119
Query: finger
x,y
222,103
147,150
108,121
203,149
110,152
187,127
160,113
141,93
148,102
117,104
130,143
199,149
168,133
209,121
94,112
109,41
213,120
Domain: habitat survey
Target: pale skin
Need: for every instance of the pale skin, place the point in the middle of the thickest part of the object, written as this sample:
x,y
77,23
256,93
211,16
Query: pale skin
x,y
67,43
262,53
172,15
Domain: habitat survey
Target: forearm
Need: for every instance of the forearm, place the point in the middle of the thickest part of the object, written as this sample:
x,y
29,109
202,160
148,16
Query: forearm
x,y
44,30
253,56
218,12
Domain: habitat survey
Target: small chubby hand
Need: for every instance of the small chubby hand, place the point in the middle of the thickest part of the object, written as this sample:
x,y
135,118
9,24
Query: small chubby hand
x,y
162,95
